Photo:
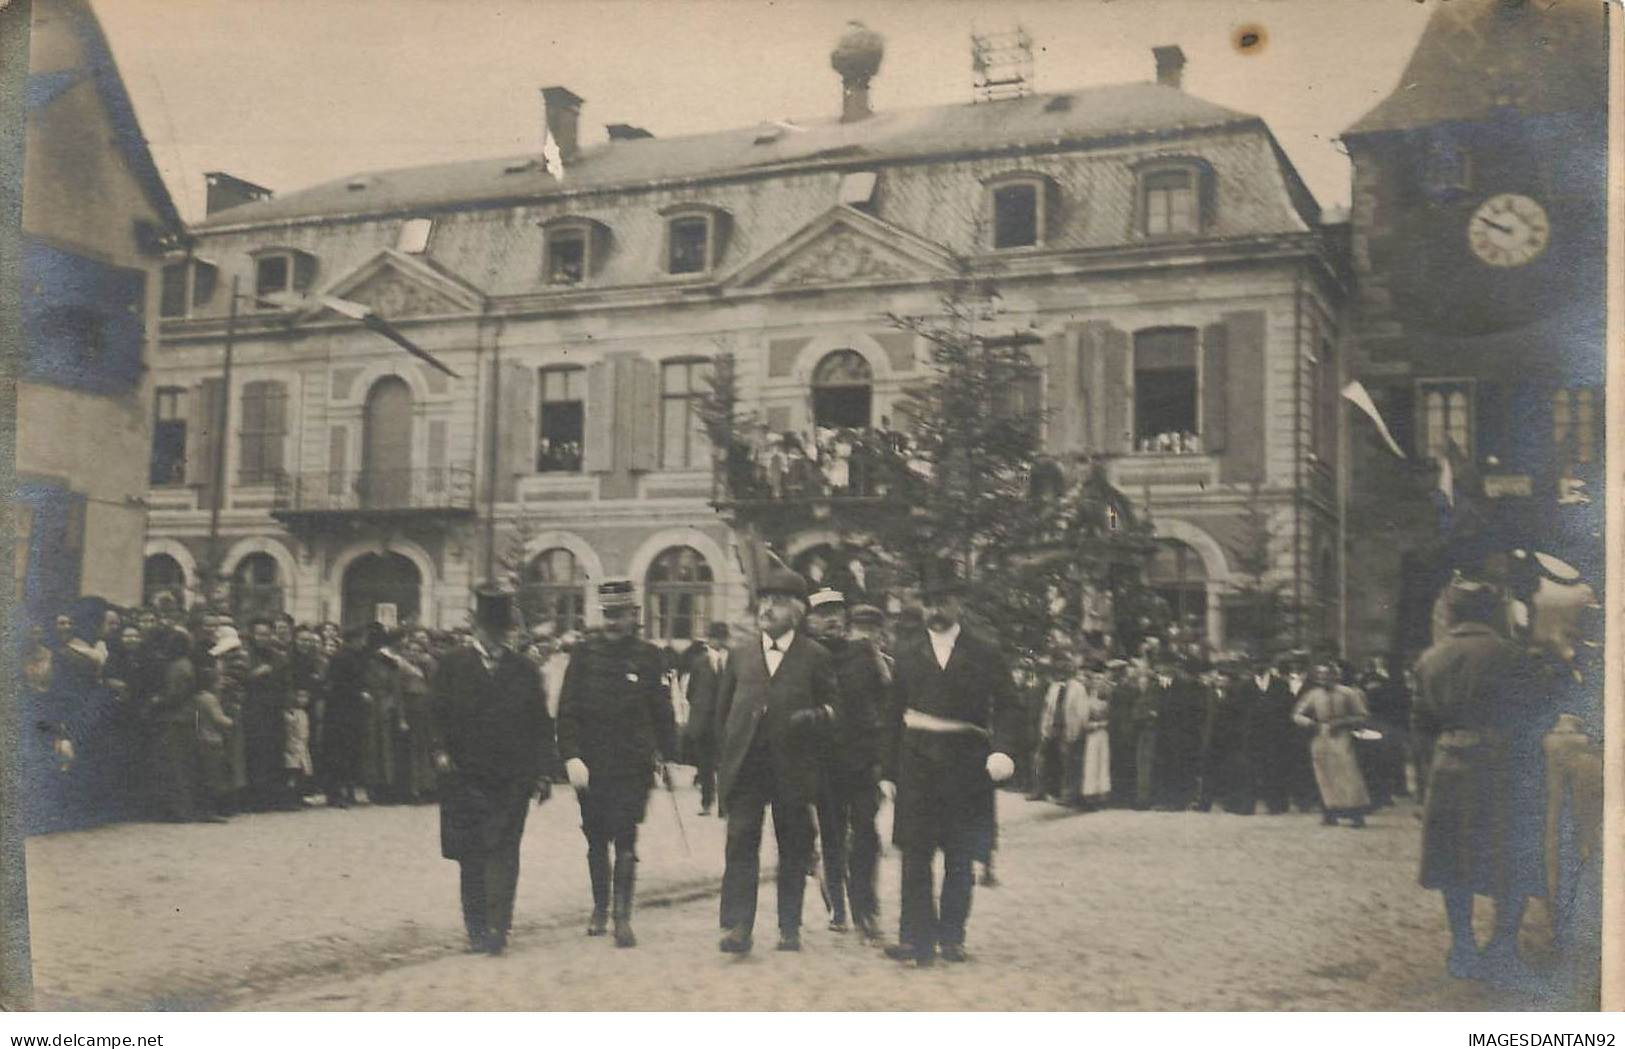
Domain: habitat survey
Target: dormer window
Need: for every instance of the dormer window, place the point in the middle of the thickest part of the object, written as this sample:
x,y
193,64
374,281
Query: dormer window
x,y
694,239
187,284
1174,198
572,249
414,236
1018,208
281,271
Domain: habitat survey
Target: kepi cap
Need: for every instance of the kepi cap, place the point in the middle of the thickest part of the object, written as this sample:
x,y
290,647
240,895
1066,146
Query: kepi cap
x,y
826,596
617,593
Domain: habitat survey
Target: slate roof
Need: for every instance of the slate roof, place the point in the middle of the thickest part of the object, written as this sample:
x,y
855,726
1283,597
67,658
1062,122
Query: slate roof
x,y
1479,56
1094,113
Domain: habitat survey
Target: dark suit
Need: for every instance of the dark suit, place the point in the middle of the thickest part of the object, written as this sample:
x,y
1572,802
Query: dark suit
x,y
1271,738
492,722
767,761
944,794
702,722
848,799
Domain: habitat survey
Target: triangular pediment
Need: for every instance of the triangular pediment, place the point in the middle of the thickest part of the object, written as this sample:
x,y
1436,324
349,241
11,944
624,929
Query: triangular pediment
x,y
398,286
846,246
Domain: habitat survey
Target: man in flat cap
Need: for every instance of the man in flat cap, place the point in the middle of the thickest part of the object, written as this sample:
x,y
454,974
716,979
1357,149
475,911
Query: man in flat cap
x,y
848,797
616,730
946,742
777,697
494,750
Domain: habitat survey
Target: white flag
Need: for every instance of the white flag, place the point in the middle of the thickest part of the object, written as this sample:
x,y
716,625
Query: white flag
x,y
552,156
1360,397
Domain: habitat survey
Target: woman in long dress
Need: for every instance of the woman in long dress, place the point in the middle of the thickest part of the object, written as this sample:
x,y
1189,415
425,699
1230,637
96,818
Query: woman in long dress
x,y
1334,712
1097,755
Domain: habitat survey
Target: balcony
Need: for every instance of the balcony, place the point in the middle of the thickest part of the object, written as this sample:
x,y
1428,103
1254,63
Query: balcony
x,y
443,491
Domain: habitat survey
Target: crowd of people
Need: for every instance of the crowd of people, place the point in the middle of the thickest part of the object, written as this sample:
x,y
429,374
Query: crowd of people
x,y
828,461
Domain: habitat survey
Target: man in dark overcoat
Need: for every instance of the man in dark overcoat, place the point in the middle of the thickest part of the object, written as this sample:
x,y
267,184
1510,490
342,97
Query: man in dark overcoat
x,y
777,698
494,751
1272,739
615,724
947,741
1483,818
849,794
344,720
704,675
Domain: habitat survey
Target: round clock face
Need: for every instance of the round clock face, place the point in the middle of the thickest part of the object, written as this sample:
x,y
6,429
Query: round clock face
x,y
1507,230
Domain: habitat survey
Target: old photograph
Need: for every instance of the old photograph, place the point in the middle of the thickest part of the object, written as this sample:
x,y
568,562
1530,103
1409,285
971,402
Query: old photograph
x,y
822,505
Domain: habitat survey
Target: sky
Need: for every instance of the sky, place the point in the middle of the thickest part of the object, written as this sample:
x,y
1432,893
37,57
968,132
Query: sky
x,y
288,93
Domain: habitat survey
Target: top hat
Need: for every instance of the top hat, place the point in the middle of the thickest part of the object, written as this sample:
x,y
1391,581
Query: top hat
x,y
780,580
825,596
617,593
495,606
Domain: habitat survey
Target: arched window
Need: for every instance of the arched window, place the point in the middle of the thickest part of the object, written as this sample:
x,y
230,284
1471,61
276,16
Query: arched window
x,y
163,582
1177,575
555,590
678,595
843,391
255,588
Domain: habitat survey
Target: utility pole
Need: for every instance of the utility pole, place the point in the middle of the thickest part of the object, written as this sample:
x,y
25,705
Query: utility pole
x,y
222,419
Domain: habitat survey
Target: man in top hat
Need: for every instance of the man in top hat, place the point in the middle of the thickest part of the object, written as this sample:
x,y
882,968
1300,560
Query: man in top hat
x,y
494,751
848,800
705,667
777,696
946,744
615,723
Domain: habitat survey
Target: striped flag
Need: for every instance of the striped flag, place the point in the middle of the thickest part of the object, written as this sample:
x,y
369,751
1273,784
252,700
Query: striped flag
x,y
1356,393
368,316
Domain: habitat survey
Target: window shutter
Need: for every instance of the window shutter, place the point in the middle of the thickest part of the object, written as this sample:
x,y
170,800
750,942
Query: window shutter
x,y
202,436
437,455
1215,387
645,391
516,426
1115,390
304,271
1243,451
599,454
338,454
1061,417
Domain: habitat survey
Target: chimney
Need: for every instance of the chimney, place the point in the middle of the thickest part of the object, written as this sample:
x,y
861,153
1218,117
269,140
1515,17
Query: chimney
x,y
857,58
561,111
626,132
229,191
1170,65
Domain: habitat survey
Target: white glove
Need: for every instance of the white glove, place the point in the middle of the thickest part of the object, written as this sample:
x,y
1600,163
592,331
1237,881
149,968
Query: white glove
x,y
576,769
1000,767
888,790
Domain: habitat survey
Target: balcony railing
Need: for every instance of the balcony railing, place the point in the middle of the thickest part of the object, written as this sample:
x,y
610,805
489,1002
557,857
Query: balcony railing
x,y
442,488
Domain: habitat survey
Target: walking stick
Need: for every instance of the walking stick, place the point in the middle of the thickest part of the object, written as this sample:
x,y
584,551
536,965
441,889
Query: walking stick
x,y
676,809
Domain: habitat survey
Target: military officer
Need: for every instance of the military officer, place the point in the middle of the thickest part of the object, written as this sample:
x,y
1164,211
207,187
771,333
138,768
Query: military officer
x,y
616,731
946,743
493,751
848,795
777,695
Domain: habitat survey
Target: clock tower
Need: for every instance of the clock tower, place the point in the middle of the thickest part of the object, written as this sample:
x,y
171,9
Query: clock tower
x,y
1479,240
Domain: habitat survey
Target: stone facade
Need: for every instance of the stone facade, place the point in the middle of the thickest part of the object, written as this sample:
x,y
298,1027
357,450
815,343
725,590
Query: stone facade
x,y
799,266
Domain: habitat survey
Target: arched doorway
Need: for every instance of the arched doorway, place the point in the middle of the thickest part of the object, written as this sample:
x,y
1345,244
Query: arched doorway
x,y
555,590
163,582
1178,576
255,589
383,587
386,445
843,391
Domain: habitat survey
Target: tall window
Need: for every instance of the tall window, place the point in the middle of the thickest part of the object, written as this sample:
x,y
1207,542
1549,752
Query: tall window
x,y
562,413
843,391
1447,418
1176,574
1017,211
168,465
186,284
688,243
1165,390
255,588
1574,424
263,429
679,595
555,590
1169,202
683,445
566,251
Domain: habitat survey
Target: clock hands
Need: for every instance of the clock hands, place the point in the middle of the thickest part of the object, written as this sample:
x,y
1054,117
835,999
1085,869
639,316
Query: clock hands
x,y
1495,225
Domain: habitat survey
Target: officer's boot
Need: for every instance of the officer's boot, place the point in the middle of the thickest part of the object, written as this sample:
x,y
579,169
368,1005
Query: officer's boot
x,y
598,871
625,874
